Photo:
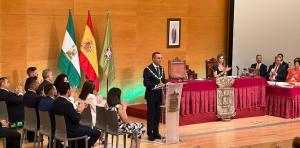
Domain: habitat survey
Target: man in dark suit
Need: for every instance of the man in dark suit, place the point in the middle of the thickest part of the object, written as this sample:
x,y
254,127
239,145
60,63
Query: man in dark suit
x,y
62,106
154,80
12,136
48,79
31,99
260,66
277,71
14,101
285,64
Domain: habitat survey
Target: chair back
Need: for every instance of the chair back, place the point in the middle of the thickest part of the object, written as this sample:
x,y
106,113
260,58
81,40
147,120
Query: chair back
x,y
100,118
3,111
30,119
45,123
60,128
86,117
111,122
209,67
176,69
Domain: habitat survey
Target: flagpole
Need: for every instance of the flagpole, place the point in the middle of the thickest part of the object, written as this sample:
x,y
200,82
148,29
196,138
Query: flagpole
x,y
106,86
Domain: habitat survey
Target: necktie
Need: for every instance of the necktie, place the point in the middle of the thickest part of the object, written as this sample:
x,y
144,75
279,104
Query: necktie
x,y
276,68
257,66
158,71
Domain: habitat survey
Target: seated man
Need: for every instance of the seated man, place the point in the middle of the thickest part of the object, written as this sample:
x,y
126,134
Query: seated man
x,y
63,107
12,136
260,66
277,71
14,101
31,99
47,101
48,79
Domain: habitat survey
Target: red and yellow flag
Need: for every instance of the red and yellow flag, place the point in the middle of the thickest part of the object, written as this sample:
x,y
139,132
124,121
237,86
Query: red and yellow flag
x,y
88,54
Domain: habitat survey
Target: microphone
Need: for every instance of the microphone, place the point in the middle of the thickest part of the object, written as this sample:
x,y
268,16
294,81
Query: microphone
x,y
237,71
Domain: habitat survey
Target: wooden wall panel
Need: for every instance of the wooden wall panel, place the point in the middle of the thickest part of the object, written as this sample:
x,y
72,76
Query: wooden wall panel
x,y
32,33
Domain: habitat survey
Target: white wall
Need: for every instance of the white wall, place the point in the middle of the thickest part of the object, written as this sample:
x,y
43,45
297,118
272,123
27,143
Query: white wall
x,y
266,27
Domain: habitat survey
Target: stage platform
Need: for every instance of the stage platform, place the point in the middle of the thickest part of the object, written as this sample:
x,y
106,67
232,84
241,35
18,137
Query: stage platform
x,y
140,111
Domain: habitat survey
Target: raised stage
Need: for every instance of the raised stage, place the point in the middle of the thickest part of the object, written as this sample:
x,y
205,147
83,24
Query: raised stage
x,y
198,102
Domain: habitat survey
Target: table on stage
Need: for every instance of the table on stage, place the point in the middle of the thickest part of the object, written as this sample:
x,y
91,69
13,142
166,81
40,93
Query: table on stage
x,y
199,97
283,101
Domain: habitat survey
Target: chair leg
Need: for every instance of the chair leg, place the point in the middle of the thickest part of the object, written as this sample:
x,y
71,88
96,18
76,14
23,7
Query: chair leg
x,y
39,139
86,142
49,142
34,139
106,140
4,142
117,142
112,140
54,143
23,137
125,141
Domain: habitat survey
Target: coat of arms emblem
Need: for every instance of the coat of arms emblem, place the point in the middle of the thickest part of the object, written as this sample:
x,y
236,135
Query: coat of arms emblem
x,y
108,53
87,45
72,52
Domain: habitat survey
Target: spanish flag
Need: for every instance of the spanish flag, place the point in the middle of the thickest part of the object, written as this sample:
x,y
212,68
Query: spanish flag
x,y
88,54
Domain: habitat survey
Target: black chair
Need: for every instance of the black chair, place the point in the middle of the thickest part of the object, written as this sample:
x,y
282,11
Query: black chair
x,y
61,132
112,127
30,124
100,120
86,117
3,111
45,127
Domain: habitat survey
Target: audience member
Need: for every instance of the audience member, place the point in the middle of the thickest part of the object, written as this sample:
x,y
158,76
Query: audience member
x,y
296,142
62,106
134,129
14,101
47,79
12,136
88,94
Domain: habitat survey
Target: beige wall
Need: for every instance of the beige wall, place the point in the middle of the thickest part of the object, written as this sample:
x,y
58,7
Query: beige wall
x,y
32,32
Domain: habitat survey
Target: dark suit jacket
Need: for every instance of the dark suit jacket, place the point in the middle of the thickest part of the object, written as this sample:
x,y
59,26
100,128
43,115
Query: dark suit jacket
x,y
62,106
150,81
46,104
41,87
14,105
262,70
281,73
32,100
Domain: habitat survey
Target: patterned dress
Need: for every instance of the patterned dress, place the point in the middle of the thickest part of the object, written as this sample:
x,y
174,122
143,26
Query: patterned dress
x,y
133,129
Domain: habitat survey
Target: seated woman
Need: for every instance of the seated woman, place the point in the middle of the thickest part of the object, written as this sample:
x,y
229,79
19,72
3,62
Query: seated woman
x,y
220,69
134,129
294,73
88,94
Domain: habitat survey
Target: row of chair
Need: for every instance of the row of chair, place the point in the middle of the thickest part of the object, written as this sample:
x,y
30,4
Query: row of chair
x,y
106,121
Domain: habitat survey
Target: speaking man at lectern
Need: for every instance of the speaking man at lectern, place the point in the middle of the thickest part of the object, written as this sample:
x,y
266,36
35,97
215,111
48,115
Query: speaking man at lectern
x,y
154,81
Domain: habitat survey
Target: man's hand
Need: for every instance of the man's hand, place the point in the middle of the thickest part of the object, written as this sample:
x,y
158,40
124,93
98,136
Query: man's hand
x,y
81,106
4,123
19,89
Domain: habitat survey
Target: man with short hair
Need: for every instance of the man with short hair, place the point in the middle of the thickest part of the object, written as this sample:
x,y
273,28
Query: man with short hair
x,y
62,106
31,99
48,79
32,72
277,72
154,80
260,66
285,64
14,101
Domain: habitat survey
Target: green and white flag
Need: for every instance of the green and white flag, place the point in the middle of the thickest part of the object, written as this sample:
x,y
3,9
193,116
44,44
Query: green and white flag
x,y
68,59
107,55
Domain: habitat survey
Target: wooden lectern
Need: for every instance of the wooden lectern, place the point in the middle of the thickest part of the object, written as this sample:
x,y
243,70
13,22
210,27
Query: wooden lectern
x,y
172,107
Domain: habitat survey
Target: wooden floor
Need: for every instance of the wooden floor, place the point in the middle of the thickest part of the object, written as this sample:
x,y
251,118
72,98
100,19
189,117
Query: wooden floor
x,y
254,132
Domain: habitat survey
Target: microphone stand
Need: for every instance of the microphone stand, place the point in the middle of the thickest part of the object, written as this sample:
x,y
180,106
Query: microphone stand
x,y
237,71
